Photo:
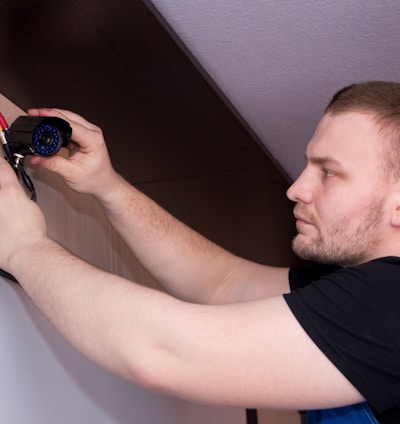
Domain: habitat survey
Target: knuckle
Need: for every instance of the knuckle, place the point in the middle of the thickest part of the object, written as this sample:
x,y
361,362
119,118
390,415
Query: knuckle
x,y
98,138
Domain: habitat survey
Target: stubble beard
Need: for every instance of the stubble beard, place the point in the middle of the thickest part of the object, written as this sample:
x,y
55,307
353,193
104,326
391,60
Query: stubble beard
x,y
342,245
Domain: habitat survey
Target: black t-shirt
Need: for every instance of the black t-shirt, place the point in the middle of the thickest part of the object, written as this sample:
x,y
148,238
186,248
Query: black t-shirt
x,y
353,316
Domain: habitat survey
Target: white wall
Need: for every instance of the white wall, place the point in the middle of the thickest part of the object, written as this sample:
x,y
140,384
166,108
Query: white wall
x,y
43,378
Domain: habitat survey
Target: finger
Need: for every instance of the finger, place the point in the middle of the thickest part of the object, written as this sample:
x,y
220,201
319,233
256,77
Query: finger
x,y
82,130
56,164
64,114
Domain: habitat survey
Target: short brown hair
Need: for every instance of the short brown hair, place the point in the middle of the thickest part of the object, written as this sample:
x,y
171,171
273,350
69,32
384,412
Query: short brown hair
x,y
381,99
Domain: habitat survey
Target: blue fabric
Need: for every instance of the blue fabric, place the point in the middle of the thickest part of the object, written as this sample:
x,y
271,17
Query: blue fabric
x,y
353,414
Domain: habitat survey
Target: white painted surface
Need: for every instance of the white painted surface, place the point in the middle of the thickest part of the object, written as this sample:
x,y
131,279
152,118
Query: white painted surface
x,y
280,61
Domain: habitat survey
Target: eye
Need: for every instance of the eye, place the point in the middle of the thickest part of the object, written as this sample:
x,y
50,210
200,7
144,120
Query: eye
x,y
328,173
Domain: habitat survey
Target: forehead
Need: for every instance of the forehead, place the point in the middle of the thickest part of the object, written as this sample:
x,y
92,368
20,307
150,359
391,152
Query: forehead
x,y
346,137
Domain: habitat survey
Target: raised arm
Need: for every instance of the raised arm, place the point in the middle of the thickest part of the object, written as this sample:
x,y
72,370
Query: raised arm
x,y
185,263
245,354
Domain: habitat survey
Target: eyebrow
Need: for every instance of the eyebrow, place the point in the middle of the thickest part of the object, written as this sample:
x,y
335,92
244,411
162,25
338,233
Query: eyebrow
x,y
324,160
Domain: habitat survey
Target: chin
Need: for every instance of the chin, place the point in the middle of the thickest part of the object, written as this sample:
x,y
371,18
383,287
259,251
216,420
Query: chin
x,y
308,251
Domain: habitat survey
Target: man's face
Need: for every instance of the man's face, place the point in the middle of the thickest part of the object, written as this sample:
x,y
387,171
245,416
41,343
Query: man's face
x,y
340,196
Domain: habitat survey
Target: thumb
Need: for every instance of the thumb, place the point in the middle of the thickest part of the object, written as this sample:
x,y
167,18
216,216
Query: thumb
x,y
54,163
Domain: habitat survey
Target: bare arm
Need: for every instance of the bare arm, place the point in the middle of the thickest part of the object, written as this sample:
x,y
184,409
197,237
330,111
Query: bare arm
x,y
185,263
237,354
248,354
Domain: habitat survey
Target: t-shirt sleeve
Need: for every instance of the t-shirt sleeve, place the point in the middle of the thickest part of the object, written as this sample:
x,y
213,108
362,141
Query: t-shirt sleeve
x,y
353,316
302,276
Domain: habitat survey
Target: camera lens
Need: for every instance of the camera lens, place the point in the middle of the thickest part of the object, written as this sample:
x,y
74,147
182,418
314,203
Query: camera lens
x,y
46,140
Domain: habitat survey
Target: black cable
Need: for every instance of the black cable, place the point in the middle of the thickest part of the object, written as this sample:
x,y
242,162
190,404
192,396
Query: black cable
x,y
251,416
28,182
7,275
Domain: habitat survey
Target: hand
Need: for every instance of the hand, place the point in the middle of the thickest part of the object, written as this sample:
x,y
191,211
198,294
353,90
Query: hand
x,y
88,168
22,223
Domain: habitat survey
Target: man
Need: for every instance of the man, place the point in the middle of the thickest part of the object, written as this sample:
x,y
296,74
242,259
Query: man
x,y
232,332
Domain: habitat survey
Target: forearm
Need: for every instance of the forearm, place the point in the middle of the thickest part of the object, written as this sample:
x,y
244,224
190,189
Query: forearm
x,y
109,319
204,353
184,262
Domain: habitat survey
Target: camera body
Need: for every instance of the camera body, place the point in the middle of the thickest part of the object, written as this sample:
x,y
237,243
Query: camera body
x,y
38,135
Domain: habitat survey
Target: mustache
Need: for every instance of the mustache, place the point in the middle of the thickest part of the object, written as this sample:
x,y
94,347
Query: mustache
x,y
300,212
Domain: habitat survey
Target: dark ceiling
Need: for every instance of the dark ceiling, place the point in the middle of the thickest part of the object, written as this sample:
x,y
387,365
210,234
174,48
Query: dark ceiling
x,y
114,63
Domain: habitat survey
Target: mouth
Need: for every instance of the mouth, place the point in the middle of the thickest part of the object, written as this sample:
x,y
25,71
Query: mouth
x,y
301,220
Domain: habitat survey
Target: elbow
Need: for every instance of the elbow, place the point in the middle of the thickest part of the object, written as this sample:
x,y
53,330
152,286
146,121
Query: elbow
x,y
146,378
153,373
153,355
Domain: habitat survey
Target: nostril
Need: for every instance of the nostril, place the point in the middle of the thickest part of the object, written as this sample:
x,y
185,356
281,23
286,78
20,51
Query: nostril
x,y
291,192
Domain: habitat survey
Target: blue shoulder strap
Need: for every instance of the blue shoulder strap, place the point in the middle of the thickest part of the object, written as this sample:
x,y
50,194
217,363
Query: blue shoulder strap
x,y
359,413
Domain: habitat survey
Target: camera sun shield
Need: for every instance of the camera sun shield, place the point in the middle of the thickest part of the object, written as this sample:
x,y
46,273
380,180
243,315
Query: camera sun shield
x,y
37,135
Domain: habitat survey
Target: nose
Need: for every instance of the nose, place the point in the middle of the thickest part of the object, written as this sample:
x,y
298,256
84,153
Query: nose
x,y
300,190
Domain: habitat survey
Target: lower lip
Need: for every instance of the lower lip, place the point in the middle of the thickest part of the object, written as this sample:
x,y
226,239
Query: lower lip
x,y
301,224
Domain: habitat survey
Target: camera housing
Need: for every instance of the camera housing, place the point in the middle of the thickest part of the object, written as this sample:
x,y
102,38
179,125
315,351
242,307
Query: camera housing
x,y
37,135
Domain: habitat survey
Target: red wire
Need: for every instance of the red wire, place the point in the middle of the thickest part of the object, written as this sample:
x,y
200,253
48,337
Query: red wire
x,y
3,122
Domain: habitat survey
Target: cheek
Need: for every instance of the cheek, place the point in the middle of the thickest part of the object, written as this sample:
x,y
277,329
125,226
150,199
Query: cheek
x,y
347,213
335,210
